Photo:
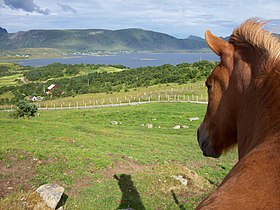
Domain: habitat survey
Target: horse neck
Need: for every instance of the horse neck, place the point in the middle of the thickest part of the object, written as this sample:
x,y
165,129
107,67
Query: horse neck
x,y
259,114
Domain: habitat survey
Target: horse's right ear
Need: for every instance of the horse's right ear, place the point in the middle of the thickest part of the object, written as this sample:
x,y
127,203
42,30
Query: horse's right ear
x,y
218,45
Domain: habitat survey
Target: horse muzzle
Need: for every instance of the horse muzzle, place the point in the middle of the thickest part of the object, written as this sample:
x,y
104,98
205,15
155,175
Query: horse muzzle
x,y
205,143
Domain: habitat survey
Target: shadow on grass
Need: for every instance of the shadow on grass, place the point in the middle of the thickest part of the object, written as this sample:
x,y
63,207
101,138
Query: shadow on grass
x,y
130,196
181,206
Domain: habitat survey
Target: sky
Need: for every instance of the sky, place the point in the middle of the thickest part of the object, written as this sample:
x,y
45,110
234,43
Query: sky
x,y
178,18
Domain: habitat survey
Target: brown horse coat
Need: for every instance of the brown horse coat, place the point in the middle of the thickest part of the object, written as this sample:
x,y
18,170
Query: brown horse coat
x,y
244,108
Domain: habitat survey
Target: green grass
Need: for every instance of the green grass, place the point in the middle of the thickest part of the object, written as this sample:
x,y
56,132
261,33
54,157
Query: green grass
x,y
191,90
82,151
9,80
110,69
34,53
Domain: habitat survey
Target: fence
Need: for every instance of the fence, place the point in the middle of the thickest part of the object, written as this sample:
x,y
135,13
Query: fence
x,y
117,101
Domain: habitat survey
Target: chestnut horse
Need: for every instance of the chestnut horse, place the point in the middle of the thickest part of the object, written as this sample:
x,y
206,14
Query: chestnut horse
x,y
244,109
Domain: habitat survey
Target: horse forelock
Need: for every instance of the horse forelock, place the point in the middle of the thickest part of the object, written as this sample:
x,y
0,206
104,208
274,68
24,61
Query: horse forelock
x,y
251,35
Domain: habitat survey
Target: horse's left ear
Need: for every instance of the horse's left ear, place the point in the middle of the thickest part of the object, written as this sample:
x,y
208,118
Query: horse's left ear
x,y
218,45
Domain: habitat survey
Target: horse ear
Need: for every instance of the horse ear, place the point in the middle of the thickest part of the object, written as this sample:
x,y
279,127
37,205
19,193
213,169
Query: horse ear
x,y
218,45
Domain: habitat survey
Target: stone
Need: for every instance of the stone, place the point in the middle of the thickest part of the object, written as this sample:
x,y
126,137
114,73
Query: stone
x,y
149,125
193,118
180,178
177,127
185,126
51,194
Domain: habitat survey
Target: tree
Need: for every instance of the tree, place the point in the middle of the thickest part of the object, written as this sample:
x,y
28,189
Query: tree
x,y
24,108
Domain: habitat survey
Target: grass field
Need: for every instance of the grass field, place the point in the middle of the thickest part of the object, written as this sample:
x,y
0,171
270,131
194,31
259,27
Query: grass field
x,y
105,166
33,53
193,91
9,80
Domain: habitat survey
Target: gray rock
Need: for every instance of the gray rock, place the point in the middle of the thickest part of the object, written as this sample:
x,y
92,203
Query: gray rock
x,y
51,194
185,126
177,127
193,118
149,125
180,178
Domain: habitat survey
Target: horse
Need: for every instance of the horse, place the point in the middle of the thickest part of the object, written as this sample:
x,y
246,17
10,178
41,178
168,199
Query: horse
x,y
244,109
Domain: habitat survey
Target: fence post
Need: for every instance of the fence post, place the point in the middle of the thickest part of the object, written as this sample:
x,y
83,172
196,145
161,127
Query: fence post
x,y
77,105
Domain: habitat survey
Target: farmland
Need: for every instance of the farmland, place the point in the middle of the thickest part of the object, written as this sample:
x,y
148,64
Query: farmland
x,y
97,162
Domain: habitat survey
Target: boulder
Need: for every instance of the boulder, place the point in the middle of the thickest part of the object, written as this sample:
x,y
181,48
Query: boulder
x,y
51,194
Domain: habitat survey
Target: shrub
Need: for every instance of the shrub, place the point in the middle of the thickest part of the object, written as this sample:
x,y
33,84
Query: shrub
x,y
24,109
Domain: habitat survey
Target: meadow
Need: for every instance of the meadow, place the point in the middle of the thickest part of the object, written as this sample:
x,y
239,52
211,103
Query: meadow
x,y
107,165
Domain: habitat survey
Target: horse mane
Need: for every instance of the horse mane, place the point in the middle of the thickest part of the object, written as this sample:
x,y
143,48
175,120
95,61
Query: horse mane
x,y
251,35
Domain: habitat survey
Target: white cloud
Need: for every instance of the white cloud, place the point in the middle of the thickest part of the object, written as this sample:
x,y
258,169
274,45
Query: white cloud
x,y
178,17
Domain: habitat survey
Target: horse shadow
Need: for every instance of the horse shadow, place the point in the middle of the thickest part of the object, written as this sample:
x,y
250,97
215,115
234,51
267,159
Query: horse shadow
x,y
130,197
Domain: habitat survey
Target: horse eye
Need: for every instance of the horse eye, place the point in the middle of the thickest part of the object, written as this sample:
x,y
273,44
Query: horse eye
x,y
208,85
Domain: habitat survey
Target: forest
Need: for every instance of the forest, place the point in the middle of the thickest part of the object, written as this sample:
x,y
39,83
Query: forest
x,y
70,80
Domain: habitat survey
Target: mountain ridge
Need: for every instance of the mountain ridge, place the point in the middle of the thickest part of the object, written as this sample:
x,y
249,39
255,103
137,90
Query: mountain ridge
x,y
131,39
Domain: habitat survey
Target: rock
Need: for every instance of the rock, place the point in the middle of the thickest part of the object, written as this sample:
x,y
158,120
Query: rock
x,y
180,178
149,125
51,194
177,127
185,126
193,118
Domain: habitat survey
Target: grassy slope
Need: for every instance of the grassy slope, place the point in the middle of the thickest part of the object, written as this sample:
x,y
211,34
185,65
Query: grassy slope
x,y
191,89
33,53
76,147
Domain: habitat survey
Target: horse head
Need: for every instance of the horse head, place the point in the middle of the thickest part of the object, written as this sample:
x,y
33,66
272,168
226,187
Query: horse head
x,y
217,132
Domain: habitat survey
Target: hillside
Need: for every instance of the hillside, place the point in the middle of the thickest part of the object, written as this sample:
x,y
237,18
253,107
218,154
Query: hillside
x,y
99,40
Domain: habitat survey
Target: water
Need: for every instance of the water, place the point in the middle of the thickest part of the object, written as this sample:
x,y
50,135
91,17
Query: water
x,y
129,60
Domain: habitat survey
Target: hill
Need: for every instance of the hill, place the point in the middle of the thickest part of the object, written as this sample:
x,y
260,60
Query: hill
x,y
99,40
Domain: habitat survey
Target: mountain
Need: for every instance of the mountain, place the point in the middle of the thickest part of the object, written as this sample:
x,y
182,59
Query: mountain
x,y
3,30
99,39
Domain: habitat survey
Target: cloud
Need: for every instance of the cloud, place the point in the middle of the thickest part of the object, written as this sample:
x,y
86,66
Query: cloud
x,y
67,8
26,5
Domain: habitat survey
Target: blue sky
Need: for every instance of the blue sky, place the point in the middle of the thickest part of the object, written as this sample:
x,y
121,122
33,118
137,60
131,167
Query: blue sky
x,y
179,18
